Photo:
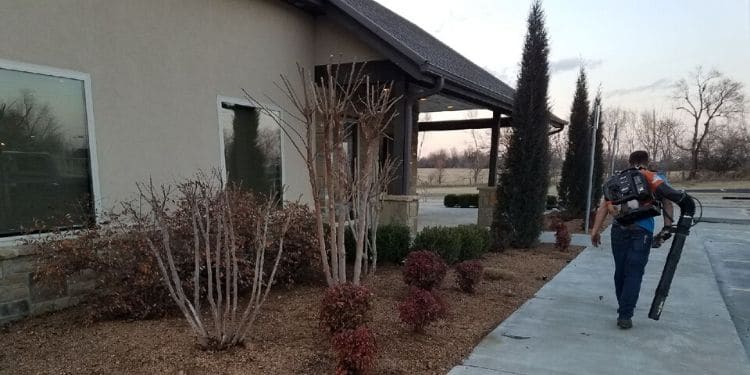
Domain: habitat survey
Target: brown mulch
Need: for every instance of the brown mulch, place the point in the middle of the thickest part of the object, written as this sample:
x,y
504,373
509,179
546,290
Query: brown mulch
x,y
287,339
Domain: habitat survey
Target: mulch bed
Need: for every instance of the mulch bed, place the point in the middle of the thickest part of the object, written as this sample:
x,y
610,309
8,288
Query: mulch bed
x,y
287,339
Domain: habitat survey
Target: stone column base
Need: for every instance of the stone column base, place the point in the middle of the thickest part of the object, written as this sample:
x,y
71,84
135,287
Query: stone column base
x,y
487,201
400,209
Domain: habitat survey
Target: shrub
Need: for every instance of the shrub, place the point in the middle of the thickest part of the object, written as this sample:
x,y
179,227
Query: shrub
x,y
355,349
475,241
450,200
469,274
344,307
420,308
562,235
424,269
393,242
300,261
468,200
127,280
551,202
461,200
443,240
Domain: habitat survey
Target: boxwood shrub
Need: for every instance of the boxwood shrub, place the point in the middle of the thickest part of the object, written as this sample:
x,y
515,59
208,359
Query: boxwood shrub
x,y
454,244
445,241
461,200
394,241
450,200
475,241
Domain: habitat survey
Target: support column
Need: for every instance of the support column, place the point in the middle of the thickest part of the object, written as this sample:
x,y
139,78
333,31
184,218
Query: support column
x,y
401,205
495,139
488,194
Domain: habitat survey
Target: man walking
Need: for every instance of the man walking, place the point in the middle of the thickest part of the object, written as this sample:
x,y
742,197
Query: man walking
x,y
631,244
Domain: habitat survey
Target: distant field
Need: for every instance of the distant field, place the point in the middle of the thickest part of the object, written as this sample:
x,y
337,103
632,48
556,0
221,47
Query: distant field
x,y
451,177
459,181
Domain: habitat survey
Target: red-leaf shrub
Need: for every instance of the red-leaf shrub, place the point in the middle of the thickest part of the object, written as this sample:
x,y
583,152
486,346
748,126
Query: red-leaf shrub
x,y
469,274
562,236
344,307
424,269
125,273
355,349
420,308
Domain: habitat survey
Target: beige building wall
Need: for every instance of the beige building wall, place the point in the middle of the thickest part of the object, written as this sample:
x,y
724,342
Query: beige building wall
x,y
156,70
335,44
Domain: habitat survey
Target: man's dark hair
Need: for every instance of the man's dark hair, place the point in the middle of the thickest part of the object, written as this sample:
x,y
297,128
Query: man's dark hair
x,y
639,157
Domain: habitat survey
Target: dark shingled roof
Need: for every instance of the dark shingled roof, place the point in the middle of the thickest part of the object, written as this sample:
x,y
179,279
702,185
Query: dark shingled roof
x,y
428,52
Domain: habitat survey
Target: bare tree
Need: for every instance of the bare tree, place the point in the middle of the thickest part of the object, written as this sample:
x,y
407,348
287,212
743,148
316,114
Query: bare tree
x,y
324,107
215,250
476,154
706,97
441,162
620,124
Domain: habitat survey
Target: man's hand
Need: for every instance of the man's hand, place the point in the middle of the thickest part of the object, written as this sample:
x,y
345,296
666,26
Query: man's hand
x,y
596,238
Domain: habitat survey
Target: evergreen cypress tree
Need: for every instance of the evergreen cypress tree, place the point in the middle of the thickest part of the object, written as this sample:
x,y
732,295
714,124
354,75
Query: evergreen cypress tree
x,y
599,167
524,179
575,171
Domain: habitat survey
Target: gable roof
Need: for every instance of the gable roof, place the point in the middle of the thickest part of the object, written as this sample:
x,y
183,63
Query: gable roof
x,y
425,53
428,52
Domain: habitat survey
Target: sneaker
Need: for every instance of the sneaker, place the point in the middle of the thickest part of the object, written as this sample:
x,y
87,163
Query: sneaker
x,y
625,323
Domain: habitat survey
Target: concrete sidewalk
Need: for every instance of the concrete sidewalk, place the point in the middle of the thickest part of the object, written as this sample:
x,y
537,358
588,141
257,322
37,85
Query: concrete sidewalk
x,y
569,326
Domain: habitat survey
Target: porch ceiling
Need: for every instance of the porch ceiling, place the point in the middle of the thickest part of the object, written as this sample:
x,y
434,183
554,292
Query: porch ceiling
x,y
442,103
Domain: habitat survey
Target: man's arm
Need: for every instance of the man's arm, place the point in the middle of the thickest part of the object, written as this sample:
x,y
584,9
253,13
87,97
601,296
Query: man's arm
x,y
601,214
668,208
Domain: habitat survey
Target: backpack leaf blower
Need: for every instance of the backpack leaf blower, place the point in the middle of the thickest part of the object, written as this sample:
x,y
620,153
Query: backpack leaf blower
x,y
681,231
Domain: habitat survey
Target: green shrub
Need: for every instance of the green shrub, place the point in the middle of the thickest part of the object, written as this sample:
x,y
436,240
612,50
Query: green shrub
x,y
450,200
443,240
551,202
393,242
468,200
475,241
461,200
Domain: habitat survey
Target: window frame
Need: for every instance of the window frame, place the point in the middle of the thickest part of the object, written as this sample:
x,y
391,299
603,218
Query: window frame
x,y
23,67
258,107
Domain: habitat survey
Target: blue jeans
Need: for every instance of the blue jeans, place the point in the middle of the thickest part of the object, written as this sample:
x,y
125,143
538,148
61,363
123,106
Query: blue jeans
x,y
630,248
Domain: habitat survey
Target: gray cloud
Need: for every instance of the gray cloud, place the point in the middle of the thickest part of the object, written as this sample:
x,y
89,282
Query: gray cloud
x,y
659,84
573,63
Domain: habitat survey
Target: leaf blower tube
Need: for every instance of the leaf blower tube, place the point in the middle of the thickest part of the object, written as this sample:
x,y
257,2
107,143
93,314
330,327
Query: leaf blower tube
x,y
687,211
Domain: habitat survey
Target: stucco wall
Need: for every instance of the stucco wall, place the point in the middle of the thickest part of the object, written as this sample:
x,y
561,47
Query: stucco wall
x,y
334,44
156,70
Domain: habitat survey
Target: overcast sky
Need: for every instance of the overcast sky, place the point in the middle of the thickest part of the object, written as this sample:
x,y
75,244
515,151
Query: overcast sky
x,y
634,49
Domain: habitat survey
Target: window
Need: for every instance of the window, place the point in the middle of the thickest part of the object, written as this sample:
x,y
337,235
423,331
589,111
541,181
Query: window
x,y
45,164
251,142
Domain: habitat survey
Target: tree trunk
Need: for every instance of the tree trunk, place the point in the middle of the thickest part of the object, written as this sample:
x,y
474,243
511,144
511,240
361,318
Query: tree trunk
x,y
693,165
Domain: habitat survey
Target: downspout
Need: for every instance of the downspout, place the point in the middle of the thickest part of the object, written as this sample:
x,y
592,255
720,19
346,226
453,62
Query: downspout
x,y
408,123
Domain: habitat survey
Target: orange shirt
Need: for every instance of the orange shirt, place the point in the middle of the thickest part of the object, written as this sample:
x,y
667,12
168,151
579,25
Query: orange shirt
x,y
653,179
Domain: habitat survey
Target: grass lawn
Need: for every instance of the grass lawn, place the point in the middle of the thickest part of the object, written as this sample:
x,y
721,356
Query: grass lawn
x,y
287,339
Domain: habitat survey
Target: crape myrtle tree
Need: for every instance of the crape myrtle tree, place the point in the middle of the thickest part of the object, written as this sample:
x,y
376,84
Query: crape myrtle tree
x,y
525,176
572,187
325,113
